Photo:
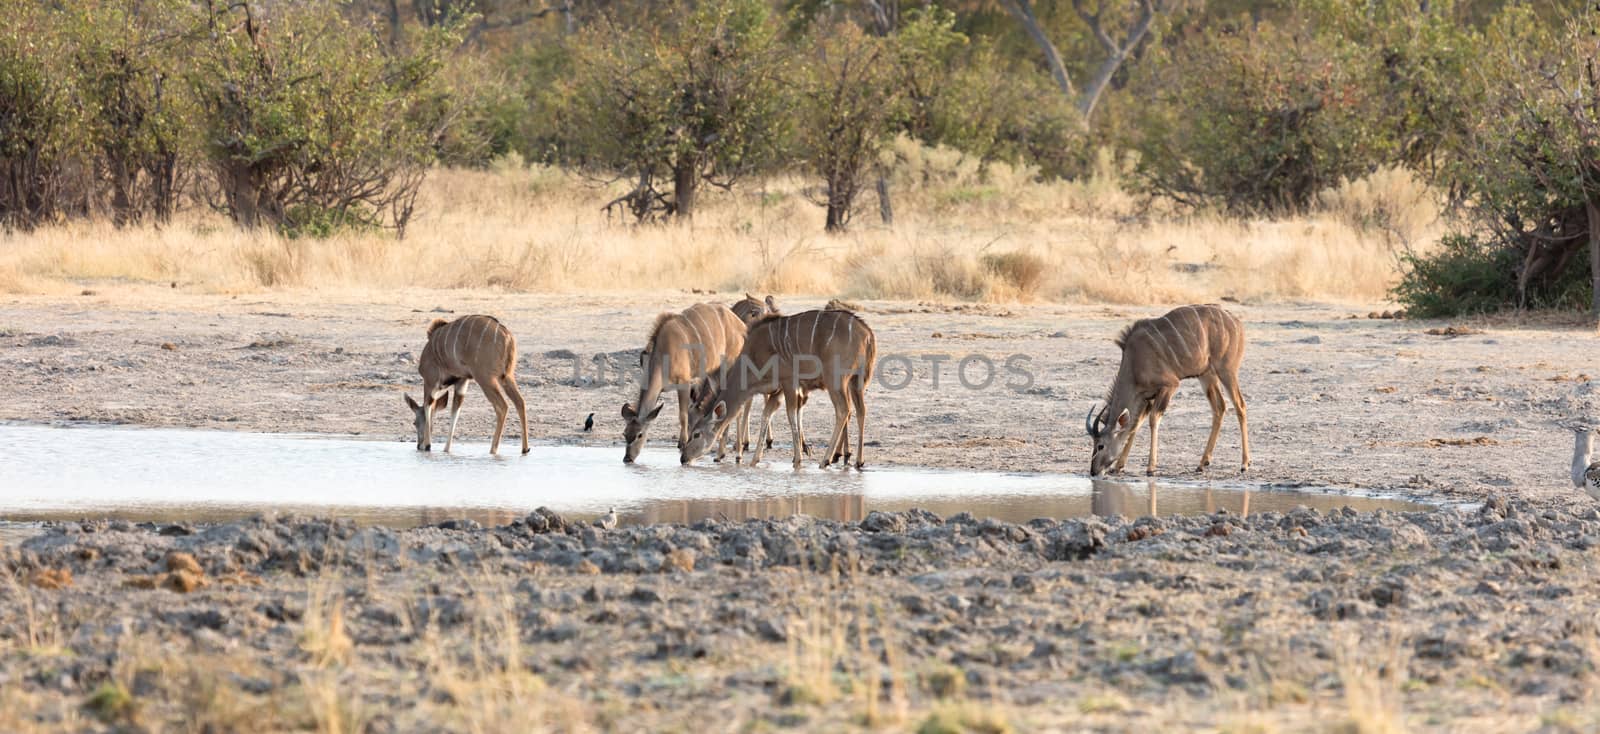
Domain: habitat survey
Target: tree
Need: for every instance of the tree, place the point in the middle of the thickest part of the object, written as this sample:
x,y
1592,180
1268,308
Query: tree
x,y
137,112
1260,120
1116,47
309,123
849,105
1531,161
695,97
40,119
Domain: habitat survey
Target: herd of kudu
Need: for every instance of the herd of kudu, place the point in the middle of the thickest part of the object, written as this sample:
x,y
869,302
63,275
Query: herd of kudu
x,y
718,358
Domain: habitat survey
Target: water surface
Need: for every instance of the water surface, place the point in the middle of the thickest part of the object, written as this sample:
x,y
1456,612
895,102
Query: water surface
x,y
170,475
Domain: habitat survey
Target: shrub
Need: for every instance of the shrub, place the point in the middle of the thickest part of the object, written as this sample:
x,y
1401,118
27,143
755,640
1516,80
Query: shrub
x,y
127,57
694,94
1469,275
40,119
1465,275
1259,121
1023,271
849,106
306,116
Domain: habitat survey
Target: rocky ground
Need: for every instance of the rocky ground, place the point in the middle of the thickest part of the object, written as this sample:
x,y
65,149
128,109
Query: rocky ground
x,y
1450,620
1343,621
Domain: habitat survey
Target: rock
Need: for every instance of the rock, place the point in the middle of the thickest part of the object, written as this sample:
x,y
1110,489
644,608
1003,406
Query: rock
x,y
644,595
183,581
50,578
1075,540
177,561
883,522
772,631
680,560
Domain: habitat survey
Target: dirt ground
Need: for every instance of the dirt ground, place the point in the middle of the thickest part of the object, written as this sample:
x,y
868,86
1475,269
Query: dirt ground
x,y
1451,620
1445,411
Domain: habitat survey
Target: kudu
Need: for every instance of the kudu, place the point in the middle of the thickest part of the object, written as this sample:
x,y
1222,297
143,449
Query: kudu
x,y
1201,342
681,349
750,310
477,348
829,350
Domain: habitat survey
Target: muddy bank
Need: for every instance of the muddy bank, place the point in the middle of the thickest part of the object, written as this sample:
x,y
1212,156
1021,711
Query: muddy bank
x,y
1445,620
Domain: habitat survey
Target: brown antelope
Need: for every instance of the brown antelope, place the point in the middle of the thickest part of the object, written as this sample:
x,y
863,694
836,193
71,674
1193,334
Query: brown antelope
x,y
682,348
749,311
830,350
1202,342
477,348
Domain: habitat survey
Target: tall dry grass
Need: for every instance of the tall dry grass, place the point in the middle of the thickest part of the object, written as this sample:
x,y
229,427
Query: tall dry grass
x,y
962,231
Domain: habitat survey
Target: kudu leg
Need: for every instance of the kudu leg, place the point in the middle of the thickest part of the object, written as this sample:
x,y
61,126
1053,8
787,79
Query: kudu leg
x,y
1127,446
456,398
769,405
1231,382
742,441
683,420
522,409
840,396
792,408
858,395
1218,409
1158,407
1155,430
491,390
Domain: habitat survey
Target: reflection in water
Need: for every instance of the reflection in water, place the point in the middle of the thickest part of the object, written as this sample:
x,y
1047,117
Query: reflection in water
x,y
175,475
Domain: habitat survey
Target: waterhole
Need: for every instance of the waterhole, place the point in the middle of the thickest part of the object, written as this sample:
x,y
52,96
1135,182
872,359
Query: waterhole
x,y
168,475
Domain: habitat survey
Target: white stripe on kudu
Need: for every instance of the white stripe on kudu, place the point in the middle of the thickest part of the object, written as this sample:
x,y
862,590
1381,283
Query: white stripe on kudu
x,y
486,334
816,316
1178,333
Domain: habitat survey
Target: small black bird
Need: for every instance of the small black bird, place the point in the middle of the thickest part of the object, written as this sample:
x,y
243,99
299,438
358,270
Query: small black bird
x,y
588,423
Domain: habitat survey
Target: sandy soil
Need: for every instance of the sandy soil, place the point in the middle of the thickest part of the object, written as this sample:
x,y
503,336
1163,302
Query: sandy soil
x,y
1358,403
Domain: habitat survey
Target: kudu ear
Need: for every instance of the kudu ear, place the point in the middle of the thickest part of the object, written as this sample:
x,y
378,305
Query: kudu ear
x,y
772,305
412,404
721,409
656,412
628,413
1122,419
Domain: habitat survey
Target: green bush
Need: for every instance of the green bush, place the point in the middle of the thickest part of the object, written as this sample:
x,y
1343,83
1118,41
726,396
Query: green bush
x,y
696,93
303,112
1470,275
1464,276
41,121
1260,120
137,120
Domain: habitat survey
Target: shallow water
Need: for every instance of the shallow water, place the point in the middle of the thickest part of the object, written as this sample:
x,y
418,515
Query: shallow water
x,y
50,473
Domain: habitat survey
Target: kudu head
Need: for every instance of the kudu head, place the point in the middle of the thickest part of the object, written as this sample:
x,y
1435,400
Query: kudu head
x,y
706,414
1107,433
423,421
633,429
751,308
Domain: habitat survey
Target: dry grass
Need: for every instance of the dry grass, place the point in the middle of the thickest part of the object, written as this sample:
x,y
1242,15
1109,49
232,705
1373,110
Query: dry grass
x,y
962,232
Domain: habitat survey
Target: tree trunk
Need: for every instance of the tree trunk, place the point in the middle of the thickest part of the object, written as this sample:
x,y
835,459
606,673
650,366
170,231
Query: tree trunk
x,y
395,36
685,184
122,210
1098,84
1592,208
1022,10
838,210
885,206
